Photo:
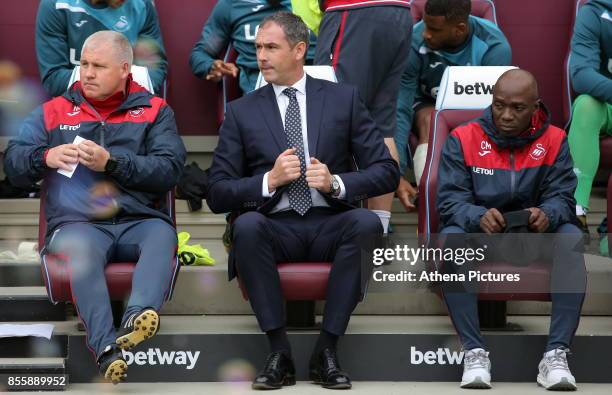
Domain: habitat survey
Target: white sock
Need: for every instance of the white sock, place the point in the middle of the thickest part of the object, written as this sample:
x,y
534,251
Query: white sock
x,y
384,217
580,210
420,155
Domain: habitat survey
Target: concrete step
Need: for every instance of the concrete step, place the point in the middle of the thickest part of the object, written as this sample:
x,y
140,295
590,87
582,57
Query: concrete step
x,y
32,365
16,206
28,304
205,225
206,348
42,374
20,273
306,388
201,225
19,218
205,290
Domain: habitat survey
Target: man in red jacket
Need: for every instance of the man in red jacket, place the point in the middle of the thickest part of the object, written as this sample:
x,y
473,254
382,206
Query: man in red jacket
x,y
513,160
108,152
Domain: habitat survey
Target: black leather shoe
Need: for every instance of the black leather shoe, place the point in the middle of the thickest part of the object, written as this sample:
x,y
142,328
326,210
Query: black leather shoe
x,y
277,371
325,370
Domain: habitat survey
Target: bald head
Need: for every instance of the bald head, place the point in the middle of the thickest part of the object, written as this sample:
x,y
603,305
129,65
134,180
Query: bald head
x,y
515,100
518,81
118,46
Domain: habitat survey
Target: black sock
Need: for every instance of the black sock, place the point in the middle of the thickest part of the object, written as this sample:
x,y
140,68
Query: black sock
x,y
279,342
326,340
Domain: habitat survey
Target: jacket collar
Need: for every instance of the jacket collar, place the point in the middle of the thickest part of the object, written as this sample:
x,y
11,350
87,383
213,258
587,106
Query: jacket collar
x,y
539,123
137,95
314,113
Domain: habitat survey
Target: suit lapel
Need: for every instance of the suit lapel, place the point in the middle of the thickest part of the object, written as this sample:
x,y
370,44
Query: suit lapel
x,y
269,109
314,110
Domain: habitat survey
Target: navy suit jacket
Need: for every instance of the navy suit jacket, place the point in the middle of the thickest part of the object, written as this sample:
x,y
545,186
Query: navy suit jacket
x,y
341,134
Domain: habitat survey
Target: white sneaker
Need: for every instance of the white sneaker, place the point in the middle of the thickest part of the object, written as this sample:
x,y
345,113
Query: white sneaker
x,y
554,373
476,369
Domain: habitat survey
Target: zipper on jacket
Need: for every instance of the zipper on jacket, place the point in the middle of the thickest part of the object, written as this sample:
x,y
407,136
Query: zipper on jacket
x,y
512,174
102,123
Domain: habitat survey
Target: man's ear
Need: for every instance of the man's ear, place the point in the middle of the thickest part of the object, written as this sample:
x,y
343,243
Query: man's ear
x,y
300,50
461,28
126,69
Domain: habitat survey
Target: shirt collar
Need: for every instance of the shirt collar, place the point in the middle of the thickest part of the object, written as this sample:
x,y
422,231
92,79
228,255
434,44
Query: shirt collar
x,y
300,85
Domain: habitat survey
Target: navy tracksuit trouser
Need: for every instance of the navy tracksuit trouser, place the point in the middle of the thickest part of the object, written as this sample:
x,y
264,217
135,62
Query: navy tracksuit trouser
x,y
568,265
88,247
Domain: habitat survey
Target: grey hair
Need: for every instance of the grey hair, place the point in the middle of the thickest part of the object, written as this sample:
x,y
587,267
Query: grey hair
x,y
119,43
294,27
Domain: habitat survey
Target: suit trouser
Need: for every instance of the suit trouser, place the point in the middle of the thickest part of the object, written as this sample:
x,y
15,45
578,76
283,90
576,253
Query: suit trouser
x,y
322,235
88,247
568,277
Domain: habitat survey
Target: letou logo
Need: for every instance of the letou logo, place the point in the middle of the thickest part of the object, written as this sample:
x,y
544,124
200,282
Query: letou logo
x,y
70,128
443,356
477,88
155,356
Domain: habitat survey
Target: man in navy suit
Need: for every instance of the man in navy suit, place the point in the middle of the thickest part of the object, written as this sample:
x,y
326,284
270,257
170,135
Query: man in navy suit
x,y
285,159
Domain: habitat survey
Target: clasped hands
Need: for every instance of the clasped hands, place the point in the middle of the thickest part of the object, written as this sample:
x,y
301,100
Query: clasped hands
x,y
87,153
287,168
493,221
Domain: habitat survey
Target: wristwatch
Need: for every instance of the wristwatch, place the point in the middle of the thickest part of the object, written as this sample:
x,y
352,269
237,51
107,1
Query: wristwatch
x,y
111,165
334,186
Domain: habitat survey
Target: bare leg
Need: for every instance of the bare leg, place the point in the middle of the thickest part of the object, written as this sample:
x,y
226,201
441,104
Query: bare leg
x,y
381,205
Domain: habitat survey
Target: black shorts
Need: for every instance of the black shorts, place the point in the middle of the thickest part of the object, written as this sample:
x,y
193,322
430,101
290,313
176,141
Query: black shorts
x,y
368,48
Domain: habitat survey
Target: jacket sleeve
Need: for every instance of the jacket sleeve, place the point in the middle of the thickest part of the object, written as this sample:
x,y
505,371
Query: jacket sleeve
x,y
557,198
585,57
377,173
455,190
405,101
52,49
161,167
499,54
24,156
229,188
151,31
214,39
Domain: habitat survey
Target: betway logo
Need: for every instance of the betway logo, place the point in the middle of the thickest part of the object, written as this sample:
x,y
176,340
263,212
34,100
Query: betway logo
x,y
154,356
443,356
479,88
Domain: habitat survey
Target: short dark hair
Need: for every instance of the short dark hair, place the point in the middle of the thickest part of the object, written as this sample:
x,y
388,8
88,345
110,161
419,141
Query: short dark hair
x,y
294,27
452,10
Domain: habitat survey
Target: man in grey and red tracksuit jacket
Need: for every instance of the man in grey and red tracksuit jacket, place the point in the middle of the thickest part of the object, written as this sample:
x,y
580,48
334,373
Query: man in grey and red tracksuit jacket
x,y
114,206
513,159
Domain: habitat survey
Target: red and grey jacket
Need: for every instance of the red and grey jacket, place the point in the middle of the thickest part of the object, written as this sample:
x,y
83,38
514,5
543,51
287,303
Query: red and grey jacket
x,y
141,135
482,169
336,5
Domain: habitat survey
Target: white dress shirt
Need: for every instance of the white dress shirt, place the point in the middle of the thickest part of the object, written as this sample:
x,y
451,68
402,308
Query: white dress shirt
x,y
283,102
